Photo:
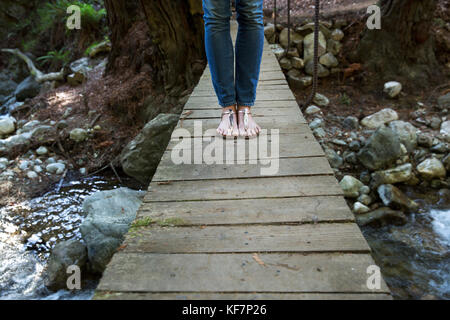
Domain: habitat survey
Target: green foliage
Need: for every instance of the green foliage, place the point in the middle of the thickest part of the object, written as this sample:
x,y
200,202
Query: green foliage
x,y
345,99
94,45
56,57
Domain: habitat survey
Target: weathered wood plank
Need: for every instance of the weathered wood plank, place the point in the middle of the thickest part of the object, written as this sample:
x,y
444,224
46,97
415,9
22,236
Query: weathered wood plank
x,y
256,113
305,146
251,211
168,171
239,296
238,273
269,187
258,104
322,237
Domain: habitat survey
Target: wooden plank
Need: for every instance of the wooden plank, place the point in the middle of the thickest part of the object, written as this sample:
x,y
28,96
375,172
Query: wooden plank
x,y
190,105
322,237
238,296
209,88
248,211
280,94
238,273
243,188
288,146
167,171
256,113
266,96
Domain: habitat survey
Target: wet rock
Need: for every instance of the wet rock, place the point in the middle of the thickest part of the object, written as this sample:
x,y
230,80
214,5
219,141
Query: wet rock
x,y
382,148
392,197
329,60
351,123
322,72
359,208
141,156
109,215
406,133
7,125
312,109
431,168
337,35
392,88
395,175
78,135
321,100
350,186
56,168
28,88
379,118
308,46
64,254
380,217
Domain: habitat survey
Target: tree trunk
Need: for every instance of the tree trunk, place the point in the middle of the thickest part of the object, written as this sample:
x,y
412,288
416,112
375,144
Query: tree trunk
x,y
171,46
404,47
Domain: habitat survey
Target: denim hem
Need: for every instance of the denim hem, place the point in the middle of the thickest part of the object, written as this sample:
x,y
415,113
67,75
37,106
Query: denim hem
x,y
223,105
246,104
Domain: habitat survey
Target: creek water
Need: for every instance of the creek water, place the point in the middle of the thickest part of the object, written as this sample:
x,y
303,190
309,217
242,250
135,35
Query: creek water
x,y
414,258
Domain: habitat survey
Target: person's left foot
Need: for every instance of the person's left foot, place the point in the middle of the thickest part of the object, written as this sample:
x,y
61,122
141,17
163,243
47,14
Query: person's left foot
x,y
247,126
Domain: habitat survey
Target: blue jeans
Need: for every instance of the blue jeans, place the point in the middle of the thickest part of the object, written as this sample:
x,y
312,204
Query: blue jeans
x,y
248,51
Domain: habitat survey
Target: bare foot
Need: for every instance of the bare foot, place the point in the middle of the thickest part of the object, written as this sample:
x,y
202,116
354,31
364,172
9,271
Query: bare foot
x,y
228,124
247,126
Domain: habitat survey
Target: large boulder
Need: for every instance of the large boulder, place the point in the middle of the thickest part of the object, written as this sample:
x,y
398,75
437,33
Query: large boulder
x,y
406,133
308,46
64,254
379,118
28,88
141,156
382,148
109,214
294,37
392,197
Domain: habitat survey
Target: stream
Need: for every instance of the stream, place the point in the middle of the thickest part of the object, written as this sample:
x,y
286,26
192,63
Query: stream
x,y
414,258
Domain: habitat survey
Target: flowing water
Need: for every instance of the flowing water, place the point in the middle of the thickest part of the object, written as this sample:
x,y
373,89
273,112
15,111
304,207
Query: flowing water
x,y
414,258
29,230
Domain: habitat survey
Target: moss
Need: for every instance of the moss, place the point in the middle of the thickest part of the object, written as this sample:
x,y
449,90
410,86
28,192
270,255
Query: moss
x,y
144,222
170,222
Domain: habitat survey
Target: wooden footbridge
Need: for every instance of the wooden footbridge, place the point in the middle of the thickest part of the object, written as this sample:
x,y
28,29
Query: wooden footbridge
x,y
224,231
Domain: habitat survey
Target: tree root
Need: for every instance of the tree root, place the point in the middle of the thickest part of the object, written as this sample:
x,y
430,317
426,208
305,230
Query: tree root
x,y
38,75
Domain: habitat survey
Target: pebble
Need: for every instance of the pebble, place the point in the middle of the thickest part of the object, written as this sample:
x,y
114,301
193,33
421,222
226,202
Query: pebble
x,y
42,151
32,175
312,109
358,207
316,123
392,88
56,168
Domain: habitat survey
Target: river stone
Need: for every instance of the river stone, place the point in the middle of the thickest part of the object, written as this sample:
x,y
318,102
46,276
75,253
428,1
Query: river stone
x,y
319,133
379,118
334,159
334,46
424,140
293,53
392,88
285,63
308,46
295,38
359,208
431,168
7,125
297,63
56,168
395,175
406,133
329,60
28,88
322,71
42,150
296,80
350,186
337,35
78,134
63,255
15,142
312,109
316,123
380,217
364,199
109,215
445,130
141,156
278,51
444,101
351,123
392,197
382,148
321,100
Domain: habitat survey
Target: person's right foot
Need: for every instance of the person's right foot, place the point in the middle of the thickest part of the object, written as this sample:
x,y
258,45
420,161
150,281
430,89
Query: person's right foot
x,y
228,125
